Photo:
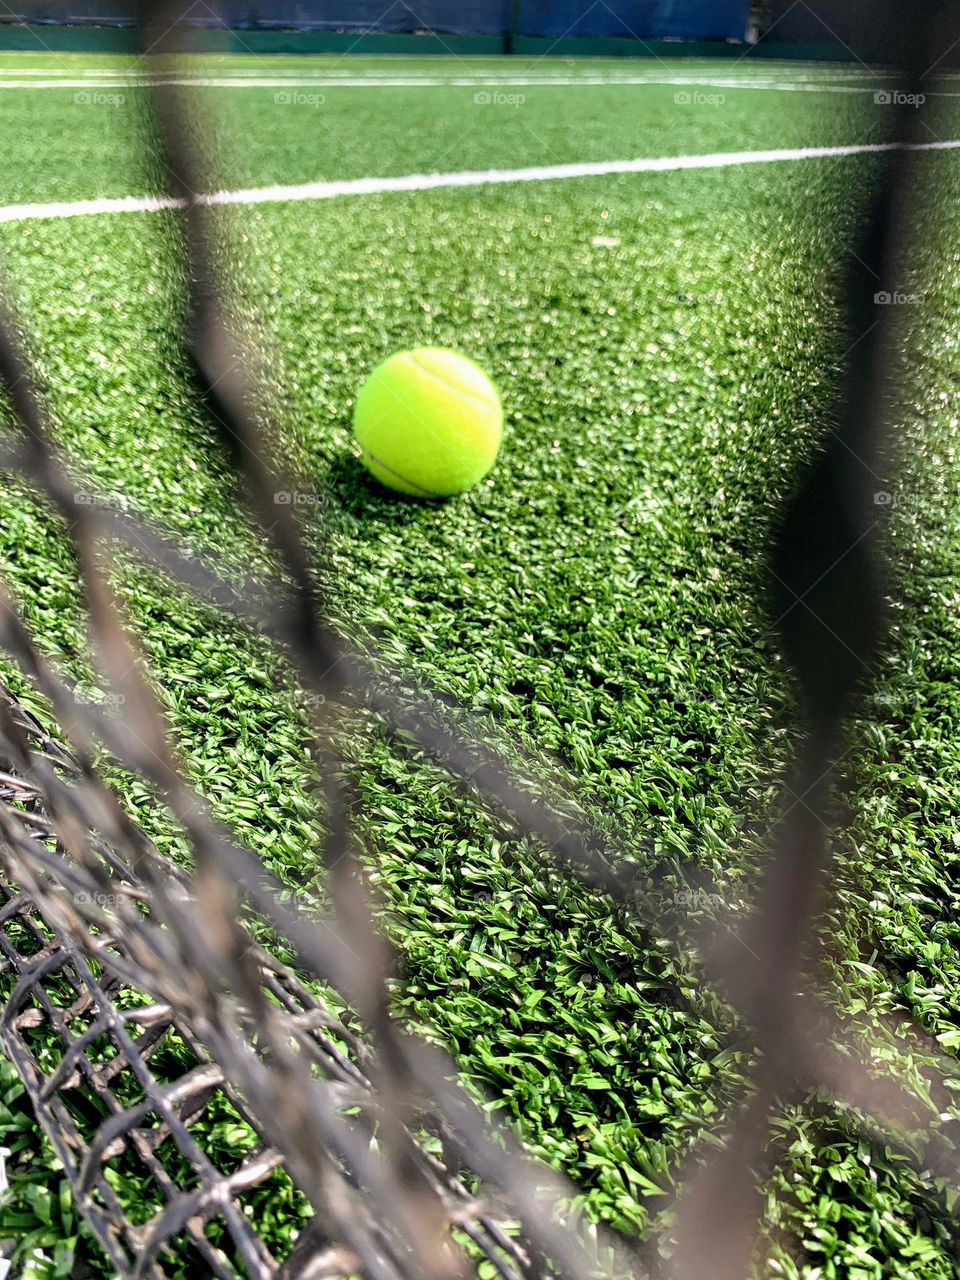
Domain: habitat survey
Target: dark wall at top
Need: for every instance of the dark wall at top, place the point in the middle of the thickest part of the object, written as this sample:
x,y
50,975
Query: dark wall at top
x,y
646,19
464,17
840,22
694,19
861,29
68,10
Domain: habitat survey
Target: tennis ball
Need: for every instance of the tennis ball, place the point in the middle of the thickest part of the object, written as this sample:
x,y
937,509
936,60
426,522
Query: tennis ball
x,y
429,422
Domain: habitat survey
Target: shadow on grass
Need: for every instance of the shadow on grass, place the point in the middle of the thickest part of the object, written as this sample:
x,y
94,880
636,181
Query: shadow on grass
x,y
367,504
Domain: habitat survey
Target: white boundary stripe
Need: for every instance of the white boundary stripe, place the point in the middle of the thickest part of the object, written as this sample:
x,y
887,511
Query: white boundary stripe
x,y
433,181
506,71
429,82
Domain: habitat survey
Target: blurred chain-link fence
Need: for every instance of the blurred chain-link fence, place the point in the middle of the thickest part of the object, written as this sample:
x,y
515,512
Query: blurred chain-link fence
x,y
116,955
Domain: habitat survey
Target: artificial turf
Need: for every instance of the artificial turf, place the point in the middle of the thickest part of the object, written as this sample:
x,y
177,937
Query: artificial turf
x,y
666,346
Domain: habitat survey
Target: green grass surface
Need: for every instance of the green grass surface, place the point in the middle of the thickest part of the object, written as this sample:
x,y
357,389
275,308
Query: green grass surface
x,y
94,148
595,597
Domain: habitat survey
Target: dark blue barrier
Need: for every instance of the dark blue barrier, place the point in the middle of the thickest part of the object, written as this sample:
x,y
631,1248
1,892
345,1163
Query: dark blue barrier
x,y
646,19
457,17
843,22
553,19
460,17
109,12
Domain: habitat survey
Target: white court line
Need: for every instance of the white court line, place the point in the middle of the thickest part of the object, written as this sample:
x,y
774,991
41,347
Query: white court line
x,y
425,82
504,73
554,82
429,82
243,64
433,181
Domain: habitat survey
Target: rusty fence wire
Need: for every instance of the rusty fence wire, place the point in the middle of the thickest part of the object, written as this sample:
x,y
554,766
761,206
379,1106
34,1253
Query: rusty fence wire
x,y
119,955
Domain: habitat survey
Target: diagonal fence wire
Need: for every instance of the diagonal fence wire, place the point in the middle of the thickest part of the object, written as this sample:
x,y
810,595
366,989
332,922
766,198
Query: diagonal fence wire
x,y
121,951
117,952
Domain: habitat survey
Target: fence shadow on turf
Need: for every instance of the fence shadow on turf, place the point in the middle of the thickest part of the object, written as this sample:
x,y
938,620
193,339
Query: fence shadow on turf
x,y
140,1003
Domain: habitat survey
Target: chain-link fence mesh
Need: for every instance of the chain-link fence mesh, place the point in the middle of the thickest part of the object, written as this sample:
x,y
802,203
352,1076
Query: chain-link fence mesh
x,y
116,956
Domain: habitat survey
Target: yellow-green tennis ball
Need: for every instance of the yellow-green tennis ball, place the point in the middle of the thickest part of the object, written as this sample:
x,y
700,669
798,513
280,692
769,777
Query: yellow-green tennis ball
x,y
429,422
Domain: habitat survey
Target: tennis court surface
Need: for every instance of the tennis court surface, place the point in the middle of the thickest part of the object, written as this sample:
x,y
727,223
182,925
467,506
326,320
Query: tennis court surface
x,y
648,258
